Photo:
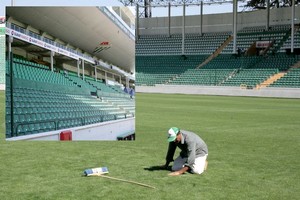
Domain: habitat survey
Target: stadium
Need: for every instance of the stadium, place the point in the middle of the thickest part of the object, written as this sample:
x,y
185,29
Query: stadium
x,y
196,79
220,54
64,79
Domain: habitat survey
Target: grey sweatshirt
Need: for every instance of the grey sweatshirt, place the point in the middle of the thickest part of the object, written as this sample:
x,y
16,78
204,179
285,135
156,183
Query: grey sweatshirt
x,y
191,145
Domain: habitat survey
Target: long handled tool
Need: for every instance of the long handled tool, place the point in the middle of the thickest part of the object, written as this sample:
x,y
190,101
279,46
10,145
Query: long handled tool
x,y
103,170
127,181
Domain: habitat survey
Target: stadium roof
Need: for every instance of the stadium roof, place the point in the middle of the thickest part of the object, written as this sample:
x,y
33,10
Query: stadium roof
x,y
172,2
82,27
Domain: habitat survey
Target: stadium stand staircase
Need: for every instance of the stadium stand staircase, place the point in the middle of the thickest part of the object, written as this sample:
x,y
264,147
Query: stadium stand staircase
x,y
270,80
282,41
217,52
249,77
291,79
262,72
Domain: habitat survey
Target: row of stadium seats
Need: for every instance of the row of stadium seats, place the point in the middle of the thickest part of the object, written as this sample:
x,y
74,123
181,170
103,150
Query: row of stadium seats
x,y
152,79
160,69
250,77
61,110
123,103
164,68
39,74
229,61
202,77
280,61
23,61
47,101
80,82
194,44
167,64
256,29
227,70
245,40
287,44
103,87
291,79
209,42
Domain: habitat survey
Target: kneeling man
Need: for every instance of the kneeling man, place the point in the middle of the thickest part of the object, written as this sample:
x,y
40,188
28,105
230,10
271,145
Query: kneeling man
x,y
193,152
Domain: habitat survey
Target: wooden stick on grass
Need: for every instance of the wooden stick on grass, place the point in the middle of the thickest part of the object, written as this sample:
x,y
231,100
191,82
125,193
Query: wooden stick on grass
x,y
127,181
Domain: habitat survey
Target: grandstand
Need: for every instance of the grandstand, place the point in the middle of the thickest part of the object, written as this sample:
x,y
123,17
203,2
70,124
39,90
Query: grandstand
x,y
259,57
2,55
62,79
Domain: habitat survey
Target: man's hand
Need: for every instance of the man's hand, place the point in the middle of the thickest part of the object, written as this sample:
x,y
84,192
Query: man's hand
x,y
176,173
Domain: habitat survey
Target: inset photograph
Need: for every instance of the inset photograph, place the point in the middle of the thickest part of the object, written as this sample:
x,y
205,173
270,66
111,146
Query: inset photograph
x,y
70,73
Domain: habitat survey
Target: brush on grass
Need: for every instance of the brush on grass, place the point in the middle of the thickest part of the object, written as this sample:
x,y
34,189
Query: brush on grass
x,y
103,170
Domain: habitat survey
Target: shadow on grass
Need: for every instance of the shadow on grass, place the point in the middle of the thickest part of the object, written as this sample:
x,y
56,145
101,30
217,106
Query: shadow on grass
x,y
157,168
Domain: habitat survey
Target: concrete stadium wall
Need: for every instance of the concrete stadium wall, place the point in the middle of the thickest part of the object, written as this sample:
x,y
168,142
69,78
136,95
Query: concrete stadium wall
x,y
223,91
94,132
216,22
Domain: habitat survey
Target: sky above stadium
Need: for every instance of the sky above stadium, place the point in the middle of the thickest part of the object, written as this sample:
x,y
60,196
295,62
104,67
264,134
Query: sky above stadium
x,y
156,12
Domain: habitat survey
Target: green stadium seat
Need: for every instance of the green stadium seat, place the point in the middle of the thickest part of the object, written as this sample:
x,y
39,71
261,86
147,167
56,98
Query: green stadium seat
x,y
50,108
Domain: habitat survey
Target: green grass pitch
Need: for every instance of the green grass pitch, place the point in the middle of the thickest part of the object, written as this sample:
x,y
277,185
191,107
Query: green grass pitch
x,y
253,154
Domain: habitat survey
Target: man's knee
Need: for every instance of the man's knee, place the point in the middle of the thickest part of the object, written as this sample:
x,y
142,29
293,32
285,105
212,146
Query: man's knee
x,y
197,171
200,166
177,167
178,163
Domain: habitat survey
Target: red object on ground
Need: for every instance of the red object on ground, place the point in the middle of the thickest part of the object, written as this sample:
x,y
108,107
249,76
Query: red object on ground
x,y
66,135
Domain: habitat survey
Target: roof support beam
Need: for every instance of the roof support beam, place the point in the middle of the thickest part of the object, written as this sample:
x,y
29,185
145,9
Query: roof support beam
x,y
292,26
169,20
268,15
51,60
201,18
235,2
183,30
